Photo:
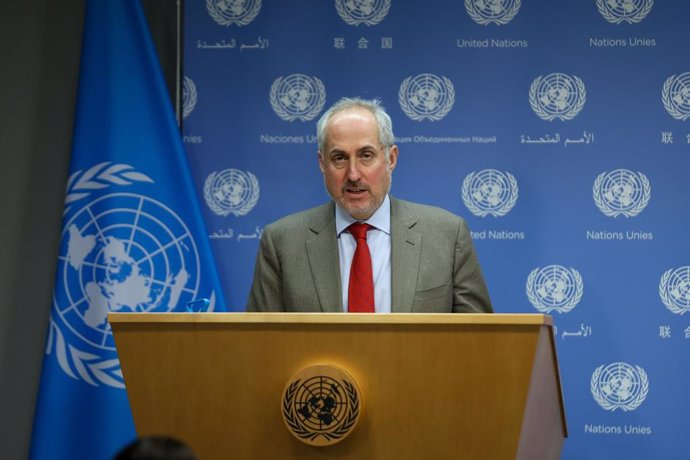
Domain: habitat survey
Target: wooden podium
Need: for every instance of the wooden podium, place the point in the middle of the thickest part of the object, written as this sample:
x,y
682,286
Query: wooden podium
x,y
433,386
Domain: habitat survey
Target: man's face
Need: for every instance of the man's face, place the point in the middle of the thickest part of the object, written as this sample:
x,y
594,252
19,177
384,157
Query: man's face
x,y
354,165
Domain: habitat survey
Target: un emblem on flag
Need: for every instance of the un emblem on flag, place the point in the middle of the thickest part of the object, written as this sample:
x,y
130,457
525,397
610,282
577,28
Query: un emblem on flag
x,y
557,95
621,192
554,288
122,252
426,96
619,386
239,12
367,12
231,191
499,12
321,405
619,11
489,192
676,96
297,97
674,290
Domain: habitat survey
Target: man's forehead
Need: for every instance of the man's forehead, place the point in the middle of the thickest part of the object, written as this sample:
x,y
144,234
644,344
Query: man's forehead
x,y
352,113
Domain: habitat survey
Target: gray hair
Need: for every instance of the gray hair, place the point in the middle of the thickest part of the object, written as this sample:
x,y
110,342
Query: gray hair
x,y
383,120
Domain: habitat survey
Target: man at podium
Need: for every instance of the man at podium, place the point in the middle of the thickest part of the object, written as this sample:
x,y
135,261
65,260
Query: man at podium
x,y
366,251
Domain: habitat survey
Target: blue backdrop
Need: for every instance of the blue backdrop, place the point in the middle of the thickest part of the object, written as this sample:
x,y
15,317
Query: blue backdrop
x,y
557,129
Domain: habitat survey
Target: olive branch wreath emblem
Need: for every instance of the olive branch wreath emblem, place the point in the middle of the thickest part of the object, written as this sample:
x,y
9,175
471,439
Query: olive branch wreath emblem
x,y
571,113
509,13
613,19
77,363
600,398
505,207
666,297
536,301
606,209
666,98
342,429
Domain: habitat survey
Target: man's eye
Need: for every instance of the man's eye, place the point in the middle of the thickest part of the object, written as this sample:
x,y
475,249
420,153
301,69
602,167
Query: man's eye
x,y
338,158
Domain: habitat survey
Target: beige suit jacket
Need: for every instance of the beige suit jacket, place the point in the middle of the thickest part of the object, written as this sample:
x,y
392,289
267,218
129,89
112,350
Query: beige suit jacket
x,y
433,264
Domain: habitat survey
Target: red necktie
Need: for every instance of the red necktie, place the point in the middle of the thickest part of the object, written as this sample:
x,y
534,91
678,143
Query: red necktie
x,y
361,289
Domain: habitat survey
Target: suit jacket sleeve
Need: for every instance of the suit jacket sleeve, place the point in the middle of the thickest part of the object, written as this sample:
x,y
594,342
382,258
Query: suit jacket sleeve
x,y
470,294
267,290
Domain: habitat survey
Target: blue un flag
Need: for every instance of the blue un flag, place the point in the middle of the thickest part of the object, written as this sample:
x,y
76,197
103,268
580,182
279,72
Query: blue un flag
x,y
133,238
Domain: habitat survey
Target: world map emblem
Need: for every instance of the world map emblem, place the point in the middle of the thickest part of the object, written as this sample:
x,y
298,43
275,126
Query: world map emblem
x,y
189,96
554,288
231,191
489,192
674,290
426,96
619,11
557,96
297,97
621,192
238,12
619,386
367,12
498,12
676,96
119,252
321,405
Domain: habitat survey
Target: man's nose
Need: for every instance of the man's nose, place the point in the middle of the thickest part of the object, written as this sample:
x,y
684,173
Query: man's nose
x,y
353,171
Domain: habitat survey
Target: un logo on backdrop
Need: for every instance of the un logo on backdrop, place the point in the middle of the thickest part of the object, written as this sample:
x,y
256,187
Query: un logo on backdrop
x,y
239,12
554,288
367,12
674,290
231,191
489,192
557,95
619,386
426,96
121,252
630,11
621,192
676,96
499,12
297,97
189,96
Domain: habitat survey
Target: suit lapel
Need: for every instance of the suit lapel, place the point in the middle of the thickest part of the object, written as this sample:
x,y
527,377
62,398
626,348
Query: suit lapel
x,y
322,251
406,249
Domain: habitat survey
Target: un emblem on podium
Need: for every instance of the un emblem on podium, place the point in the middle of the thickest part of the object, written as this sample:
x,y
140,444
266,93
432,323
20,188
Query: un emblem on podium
x,y
321,405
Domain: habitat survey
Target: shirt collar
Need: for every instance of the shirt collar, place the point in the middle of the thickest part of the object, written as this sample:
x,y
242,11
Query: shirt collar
x,y
381,219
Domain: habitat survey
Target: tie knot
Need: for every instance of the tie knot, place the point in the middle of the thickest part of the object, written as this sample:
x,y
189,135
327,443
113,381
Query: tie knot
x,y
359,230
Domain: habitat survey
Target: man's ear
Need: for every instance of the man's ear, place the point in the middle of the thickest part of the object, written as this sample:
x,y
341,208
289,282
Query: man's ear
x,y
393,156
321,165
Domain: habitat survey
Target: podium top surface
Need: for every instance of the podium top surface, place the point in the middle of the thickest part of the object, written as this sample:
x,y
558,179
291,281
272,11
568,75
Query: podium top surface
x,y
330,318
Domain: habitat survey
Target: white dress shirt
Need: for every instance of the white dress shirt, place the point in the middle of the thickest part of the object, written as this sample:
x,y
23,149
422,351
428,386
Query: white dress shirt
x,y
379,242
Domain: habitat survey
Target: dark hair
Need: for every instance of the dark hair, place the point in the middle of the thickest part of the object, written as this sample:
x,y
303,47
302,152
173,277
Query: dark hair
x,y
156,448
